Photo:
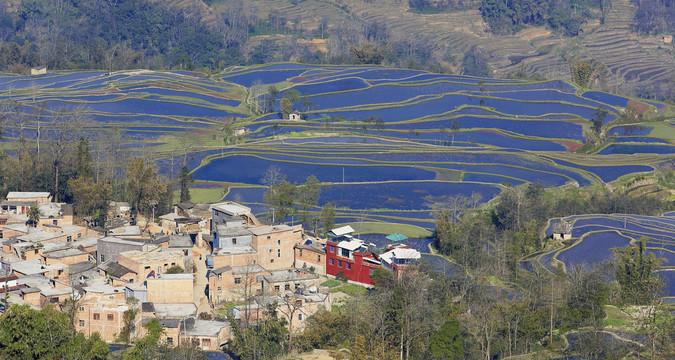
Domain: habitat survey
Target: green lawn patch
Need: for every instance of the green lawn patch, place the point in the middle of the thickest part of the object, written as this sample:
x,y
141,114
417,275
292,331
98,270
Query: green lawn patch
x,y
201,195
331,283
410,231
350,289
616,317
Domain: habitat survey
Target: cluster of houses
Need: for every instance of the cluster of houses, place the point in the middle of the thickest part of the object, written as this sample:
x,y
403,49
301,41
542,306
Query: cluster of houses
x,y
182,272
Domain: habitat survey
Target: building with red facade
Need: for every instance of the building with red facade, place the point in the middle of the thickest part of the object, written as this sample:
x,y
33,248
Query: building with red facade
x,y
351,259
356,261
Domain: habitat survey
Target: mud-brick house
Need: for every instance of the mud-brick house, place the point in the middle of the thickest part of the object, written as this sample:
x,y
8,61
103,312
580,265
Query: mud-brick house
x,y
562,230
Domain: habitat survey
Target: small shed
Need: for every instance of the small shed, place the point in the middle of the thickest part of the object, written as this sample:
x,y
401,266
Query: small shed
x,y
37,71
562,230
294,116
667,39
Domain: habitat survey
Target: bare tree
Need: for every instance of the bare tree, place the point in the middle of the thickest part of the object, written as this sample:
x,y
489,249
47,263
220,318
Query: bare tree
x,y
62,133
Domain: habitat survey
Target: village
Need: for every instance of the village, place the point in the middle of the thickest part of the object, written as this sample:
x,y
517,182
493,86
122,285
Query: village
x,y
198,268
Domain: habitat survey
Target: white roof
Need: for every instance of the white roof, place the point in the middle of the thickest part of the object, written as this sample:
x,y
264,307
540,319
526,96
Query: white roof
x,y
231,208
342,230
400,253
23,195
351,244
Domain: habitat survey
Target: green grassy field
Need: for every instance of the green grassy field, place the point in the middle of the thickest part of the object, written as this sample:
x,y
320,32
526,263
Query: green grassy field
x,y
389,228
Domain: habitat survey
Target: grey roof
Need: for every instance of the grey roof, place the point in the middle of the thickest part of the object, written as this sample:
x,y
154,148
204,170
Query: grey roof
x,y
221,270
147,307
206,328
270,229
174,277
562,227
86,241
180,241
185,205
64,253
234,250
30,290
175,310
116,240
80,267
26,194
226,232
239,270
115,269
290,275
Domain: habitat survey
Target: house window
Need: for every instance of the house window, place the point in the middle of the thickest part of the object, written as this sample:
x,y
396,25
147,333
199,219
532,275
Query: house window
x,y
81,308
220,290
270,250
349,266
54,300
234,241
276,288
372,271
287,287
169,341
36,251
271,260
111,317
278,242
331,261
55,222
339,263
268,237
220,276
300,252
332,248
299,316
278,252
345,253
97,316
147,268
237,280
102,258
206,342
59,272
81,323
79,235
318,258
258,278
69,239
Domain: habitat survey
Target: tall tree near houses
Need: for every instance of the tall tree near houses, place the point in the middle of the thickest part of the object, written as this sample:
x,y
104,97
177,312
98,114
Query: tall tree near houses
x,y
144,188
83,160
308,198
33,215
64,128
327,217
186,179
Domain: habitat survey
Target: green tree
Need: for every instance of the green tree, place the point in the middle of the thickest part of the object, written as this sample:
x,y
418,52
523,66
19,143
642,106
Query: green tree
x,y
475,63
144,188
185,179
286,107
367,53
26,333
447,343
308,198
635,272
176,269
83,159
327,217
584,71
281,200
599,119
90,198
33,215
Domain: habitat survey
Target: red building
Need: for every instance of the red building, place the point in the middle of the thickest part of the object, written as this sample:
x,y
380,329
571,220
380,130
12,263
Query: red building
x,y
351,258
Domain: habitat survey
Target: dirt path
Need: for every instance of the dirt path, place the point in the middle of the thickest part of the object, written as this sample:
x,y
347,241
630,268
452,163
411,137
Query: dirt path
x,y
199,294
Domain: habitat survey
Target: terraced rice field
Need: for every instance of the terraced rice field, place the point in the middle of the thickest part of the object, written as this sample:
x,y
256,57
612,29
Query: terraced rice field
x,y
387,144
595,236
